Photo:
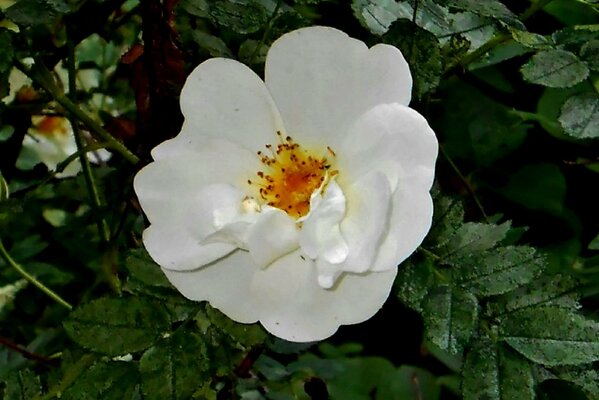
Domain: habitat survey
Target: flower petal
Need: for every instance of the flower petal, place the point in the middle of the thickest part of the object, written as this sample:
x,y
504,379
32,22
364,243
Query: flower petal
x,y
321,79
320,235
410,221
272,236
169,189
223,98
369,204
294,307
225,284
173,248
393,139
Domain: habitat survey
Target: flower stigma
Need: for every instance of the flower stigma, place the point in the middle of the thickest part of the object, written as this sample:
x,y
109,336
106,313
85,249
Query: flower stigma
x,y
291,174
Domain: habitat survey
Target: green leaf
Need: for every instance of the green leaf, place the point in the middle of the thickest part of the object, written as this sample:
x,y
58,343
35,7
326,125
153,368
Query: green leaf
x,y
199,8
450,317
578,35
246,334
493,372
378,15
241,16
116,326
414,280
555,68
586,377
252,52
580,116
472,237
359,377
175,367
594,244
556,290
571,12
106,381
552,335
540,187
145,270
530,39
22,385
499,270
6,132
409,383
422,51
6,51
487,8
447,218
590,53
36,12
214,45
4,192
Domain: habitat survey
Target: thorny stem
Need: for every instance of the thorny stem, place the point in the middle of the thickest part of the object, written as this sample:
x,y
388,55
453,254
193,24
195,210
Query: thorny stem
x,y
40,74
92,189
30,278
465,182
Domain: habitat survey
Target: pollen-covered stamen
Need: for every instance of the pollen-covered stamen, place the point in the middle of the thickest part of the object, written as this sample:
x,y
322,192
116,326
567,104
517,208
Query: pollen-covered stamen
x,y
291,174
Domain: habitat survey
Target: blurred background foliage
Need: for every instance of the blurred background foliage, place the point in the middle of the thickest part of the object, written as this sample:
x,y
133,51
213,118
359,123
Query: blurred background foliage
x,y
501,302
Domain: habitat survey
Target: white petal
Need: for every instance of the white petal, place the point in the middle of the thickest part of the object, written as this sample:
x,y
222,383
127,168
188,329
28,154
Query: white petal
x,y
411,217
225,284
169,189
368,210
320,235
393,139
294,307
176,238
272,236
321,79
174,248
225,99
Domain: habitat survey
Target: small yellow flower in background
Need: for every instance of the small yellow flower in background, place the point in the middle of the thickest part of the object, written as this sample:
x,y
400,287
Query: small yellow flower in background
x,y
292,201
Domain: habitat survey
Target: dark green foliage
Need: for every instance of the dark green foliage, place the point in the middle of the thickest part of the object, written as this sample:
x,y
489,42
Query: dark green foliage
x,y
174,367
116,326
21,385
106,380
552,335
36,12
555,68
421,50
580,116
502,294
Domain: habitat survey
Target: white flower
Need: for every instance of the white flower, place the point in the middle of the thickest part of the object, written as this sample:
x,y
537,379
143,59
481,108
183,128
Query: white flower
x,y
50,138
292,201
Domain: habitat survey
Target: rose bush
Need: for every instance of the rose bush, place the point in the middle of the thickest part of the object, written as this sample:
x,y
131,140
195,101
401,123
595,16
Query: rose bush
x,y
292,200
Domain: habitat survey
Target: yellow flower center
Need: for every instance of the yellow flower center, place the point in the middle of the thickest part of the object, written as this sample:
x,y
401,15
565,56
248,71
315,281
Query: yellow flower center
x,y
291,174
51,125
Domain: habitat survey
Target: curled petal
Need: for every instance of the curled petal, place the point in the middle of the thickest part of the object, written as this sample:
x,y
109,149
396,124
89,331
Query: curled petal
x,y
366,223
410,221
175,249
320,236
395,140
273,235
